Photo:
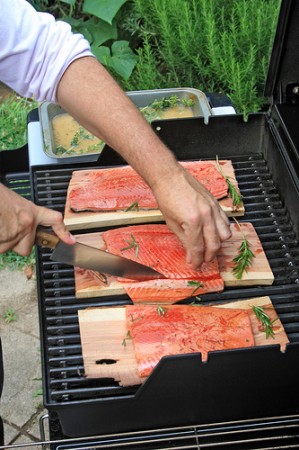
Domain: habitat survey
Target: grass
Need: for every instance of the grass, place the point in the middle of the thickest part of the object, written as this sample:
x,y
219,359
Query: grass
x,y
13,121
13,134
13,261
10,315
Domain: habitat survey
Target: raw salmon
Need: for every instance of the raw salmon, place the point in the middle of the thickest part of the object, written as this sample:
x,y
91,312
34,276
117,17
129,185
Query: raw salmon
x,y
158,247
181,329
120,188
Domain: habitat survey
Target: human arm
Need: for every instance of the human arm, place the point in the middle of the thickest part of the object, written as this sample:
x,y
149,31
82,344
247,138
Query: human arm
x,y
35,50
43,58
94,99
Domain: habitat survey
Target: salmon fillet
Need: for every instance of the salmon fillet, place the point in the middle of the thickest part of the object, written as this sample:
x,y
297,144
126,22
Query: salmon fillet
x,y
181,329
158,247
119,188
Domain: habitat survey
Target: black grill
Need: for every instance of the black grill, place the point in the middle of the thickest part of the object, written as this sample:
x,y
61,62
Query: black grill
x,y
263,378
264,209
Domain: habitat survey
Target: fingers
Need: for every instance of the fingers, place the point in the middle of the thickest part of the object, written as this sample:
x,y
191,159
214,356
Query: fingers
x,y
202,235
202,241
54,219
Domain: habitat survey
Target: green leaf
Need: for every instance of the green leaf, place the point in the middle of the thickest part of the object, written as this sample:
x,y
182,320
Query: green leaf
x,y
103,9
78,26
69,2
100,31
122,60
103,54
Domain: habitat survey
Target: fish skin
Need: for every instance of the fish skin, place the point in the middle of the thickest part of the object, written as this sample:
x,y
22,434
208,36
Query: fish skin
x,y
184,329
115,189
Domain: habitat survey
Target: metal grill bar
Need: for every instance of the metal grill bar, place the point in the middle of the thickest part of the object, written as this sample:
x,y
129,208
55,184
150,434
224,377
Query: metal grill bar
x,y
264,208
262,434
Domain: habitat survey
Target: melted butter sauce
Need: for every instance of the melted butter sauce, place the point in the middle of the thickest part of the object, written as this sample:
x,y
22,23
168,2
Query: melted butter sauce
x,y
71,139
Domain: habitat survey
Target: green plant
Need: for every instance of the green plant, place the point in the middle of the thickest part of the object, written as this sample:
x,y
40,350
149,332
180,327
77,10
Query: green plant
x,y
13,121
10,315
212,45
98,22
14,261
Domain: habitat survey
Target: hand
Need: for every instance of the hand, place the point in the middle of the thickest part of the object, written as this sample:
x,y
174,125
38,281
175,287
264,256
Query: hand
x,y
19,219
194,215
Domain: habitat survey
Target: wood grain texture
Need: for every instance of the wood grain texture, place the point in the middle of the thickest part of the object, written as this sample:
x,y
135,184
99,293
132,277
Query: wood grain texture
x,y
103,331
86,220
88,284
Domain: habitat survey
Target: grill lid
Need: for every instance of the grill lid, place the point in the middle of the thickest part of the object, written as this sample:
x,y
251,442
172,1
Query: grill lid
x,y
283,78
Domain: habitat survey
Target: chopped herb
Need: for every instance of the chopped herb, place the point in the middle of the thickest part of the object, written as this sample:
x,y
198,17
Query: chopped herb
x,y
173,100
267,323
134,205
196,302
161,311
244,258
232,190
79,135
132,244
151,112
196,285
128,336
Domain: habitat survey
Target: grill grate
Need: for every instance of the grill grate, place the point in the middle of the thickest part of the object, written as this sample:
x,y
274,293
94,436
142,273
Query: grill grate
x,y
58,308
264,209
20,183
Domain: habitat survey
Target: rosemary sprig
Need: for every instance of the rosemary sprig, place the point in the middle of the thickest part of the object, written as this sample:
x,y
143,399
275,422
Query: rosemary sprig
x,y
244,258
128,336
196,302
232,190
161,311
196,285
134,205
132,244
267,323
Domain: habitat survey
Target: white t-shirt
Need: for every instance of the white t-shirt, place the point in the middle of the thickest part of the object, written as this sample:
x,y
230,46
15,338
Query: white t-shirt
x,y
35,50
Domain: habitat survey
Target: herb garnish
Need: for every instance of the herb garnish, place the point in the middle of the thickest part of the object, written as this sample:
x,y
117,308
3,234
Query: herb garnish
x,y
80,134
173,100
151,112
128,336
134,205
196,302
132,244
267,323
196,285
244,258
161,311
232,190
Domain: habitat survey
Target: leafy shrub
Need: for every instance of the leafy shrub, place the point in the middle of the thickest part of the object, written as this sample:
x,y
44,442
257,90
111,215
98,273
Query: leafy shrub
x,y
98,22
211,45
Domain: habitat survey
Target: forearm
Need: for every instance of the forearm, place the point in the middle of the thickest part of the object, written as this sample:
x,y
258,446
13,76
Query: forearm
x,y
91,95
94,99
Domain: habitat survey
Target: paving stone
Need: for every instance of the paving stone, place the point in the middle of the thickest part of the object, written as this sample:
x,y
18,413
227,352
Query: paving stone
x,y
22,377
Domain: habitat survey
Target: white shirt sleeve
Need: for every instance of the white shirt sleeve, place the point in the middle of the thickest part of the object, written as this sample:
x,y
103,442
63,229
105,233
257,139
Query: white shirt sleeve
x,y
35,50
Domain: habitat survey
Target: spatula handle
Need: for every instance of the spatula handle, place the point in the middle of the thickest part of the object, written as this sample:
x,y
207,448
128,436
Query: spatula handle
x,y
46,238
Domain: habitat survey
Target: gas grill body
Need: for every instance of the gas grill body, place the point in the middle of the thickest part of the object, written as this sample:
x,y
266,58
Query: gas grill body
x,y
232,385
236,391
